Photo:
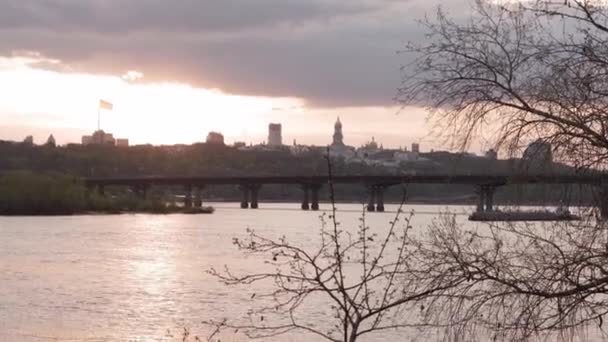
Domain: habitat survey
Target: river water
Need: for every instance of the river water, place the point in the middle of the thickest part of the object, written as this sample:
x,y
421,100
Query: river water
x,y
142,277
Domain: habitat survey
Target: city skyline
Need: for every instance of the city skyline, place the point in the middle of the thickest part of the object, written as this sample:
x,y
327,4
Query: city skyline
x,y
300,71
182,125
85,139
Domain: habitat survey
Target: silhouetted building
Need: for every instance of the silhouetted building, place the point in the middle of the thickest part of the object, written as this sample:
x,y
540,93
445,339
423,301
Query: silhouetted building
x,y
338,137
215,138
274,135
99,138
539,151
51,141
492,154
337,147
538,156
122,142
415,148
371,145
29,140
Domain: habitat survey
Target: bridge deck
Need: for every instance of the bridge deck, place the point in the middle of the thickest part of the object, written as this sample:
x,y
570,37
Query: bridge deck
x,y
356,179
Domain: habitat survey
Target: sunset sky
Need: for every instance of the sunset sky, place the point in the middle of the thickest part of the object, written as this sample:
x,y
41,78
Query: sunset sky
x,y
176,70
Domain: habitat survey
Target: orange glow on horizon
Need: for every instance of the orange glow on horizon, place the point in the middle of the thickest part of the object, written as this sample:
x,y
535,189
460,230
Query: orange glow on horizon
x,y
145,112
39,102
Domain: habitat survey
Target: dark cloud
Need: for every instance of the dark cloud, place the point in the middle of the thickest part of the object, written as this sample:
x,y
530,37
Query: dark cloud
x,y
329,52
124,16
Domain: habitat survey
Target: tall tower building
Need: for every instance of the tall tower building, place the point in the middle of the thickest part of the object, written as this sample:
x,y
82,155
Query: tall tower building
x,y
416,148
274,135
215,138
338,138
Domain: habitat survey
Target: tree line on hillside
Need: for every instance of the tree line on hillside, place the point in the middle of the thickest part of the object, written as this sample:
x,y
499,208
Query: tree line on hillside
x,y
216,160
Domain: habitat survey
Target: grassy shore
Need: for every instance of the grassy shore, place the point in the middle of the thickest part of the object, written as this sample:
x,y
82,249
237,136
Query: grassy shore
x,y
27,193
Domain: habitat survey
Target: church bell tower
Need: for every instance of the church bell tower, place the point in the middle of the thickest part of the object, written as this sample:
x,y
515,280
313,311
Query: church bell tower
x,y
338,138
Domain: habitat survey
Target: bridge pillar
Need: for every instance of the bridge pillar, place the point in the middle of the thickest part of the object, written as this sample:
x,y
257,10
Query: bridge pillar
x,y
481,199
371,202
188,196
485,201
305,199
489,190
254,189
315,196
245,197
380,198
101,190
198,196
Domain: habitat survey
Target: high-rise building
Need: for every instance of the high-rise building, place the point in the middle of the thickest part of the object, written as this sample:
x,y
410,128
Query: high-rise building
x,y
416,148
338,137
215,138
274,135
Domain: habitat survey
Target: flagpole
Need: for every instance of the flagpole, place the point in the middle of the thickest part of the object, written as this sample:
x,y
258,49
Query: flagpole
x,y
98,118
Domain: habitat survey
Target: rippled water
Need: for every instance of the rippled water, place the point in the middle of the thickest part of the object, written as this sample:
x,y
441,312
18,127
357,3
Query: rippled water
x,y
141,277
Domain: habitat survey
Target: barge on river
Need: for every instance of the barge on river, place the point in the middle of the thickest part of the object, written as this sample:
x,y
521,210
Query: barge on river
x,y
497,215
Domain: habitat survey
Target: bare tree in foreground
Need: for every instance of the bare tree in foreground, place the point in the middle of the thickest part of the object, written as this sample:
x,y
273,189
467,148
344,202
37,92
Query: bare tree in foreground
x,y
523,280
518,71
515,72
356,283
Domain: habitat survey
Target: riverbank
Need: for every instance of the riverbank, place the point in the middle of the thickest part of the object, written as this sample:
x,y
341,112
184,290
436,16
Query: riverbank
x,y
168,211
31,194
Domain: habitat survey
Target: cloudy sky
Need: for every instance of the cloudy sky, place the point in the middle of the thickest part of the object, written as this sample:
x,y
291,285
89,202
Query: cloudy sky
x,y
175,70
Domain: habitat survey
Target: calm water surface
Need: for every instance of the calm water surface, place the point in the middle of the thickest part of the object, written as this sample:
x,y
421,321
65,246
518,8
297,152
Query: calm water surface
x,y
142,277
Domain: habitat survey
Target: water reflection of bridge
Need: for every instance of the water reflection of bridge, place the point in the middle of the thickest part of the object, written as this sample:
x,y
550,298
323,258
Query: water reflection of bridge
x,y
375,186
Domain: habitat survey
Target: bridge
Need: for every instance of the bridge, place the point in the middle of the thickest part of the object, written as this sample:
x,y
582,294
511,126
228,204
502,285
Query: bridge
x,y
375,185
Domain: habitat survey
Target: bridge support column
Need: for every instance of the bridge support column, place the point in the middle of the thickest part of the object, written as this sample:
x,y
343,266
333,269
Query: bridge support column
x,y
481,201
245,196
371,201
188,196
380,198
305,199
198,196
254,189
485,201
490,198
315,196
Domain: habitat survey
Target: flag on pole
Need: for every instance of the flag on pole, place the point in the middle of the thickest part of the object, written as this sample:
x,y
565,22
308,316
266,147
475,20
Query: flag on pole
x,y
105,105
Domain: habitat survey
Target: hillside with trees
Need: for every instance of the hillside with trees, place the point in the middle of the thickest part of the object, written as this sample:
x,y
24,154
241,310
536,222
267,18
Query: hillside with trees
x,y
219,160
